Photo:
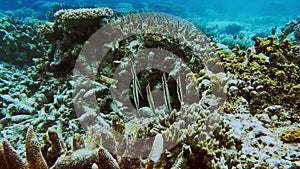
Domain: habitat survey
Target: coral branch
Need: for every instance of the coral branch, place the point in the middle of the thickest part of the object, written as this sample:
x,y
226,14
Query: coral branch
x,y
34,155
13,160
106,160
2,160
81,159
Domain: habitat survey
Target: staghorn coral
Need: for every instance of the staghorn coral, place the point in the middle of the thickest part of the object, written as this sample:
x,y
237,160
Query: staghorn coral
x,y
106,160
52,148
3,164
11,158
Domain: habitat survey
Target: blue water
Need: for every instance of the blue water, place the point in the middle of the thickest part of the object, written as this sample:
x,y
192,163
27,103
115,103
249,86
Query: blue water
x,y
219,8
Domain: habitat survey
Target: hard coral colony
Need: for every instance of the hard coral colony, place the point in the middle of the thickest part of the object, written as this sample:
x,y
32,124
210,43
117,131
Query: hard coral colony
x,y
261,86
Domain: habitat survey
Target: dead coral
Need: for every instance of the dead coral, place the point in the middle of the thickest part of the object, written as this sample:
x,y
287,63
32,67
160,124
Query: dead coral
x,y
20,41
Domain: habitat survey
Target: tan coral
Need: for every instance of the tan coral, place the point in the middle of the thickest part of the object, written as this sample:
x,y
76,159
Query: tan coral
x,y
55,149
106,160
78,142
82,17
2,160
34,155
13,160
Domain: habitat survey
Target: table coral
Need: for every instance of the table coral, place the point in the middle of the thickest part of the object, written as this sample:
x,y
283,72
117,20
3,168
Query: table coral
x,y
68,32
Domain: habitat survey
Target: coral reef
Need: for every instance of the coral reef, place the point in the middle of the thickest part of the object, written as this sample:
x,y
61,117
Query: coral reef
x,y
292,27
80,159
20,41
266,75
252,129
259,144
233,29
37,99
68,32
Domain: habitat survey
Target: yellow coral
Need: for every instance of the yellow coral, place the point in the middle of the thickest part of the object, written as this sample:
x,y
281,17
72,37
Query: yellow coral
x,y
290,136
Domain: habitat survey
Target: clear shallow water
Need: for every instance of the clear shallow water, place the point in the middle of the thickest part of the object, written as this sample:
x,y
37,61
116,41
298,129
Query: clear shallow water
x,y
223,8
229,22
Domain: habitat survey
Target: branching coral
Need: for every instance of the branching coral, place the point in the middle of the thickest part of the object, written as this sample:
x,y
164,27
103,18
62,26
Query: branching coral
x,y
34,155
80,159
20,41
11,158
